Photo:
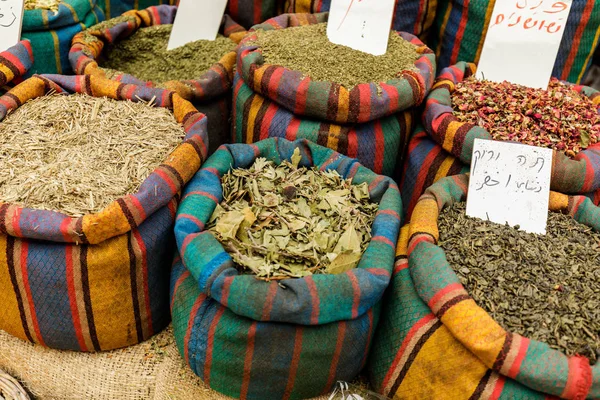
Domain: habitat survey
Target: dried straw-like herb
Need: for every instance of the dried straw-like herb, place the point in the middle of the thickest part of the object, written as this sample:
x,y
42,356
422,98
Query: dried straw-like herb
x,y
280,222
76,153
559,118
307,49
51,5
544,287
145,56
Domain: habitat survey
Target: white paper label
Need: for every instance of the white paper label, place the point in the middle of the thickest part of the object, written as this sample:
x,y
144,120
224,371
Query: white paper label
x,y
522,41
11,18
362,25
510,183
196,20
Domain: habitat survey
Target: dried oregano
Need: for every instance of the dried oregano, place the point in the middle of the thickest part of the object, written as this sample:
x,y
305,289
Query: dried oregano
x,y
544,287
284,221
307,49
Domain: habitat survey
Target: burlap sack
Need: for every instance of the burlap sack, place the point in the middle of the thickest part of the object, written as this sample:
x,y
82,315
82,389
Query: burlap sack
x,y
152,370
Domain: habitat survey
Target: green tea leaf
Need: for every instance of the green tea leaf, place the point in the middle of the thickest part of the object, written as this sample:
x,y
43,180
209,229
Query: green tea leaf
x,y
296,158
344,262
229,223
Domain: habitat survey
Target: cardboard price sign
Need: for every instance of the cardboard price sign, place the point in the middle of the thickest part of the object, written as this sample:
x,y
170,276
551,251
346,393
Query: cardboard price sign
x,y
362,25
510,183
522,41
11,19
196,20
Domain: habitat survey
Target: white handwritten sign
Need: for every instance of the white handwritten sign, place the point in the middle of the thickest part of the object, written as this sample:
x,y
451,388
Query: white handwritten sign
x,y
523,41
510,183
11,18
196,20
362,25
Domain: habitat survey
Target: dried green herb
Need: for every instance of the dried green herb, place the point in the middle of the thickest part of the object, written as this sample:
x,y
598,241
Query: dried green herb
x,y
282,221
307,49
543,287
50,5
559,118
145,56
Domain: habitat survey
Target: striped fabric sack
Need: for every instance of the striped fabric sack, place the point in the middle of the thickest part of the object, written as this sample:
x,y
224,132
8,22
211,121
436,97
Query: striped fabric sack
x,y
252,339
434,342
209,92
251,12
273,101
412,16
97,282
578,175
51,33
114,8
14,63
460,28
426,163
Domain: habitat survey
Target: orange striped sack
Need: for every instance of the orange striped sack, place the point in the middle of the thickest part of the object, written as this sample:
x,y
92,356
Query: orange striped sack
x,y
101,281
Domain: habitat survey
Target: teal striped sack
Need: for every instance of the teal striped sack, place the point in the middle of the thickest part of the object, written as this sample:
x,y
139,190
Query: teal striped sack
x,y
51,33
292,339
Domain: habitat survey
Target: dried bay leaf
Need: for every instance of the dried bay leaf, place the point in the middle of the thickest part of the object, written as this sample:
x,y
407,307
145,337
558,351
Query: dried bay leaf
x,y
285,221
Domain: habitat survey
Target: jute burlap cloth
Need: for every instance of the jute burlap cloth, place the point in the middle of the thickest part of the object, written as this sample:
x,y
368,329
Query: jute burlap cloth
x,y
151,370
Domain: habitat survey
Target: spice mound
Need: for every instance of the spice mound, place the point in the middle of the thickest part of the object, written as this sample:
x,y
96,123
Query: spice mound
x,y
50,5
145,56
543,287
308,50
559,118
76,153
284,221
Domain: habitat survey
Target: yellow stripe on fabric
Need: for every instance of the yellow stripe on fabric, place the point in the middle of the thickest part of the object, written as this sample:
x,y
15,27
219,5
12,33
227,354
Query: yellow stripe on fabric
x,y
424,218
402,248
444,168
56,52
590,55
476,330
7,72
442,32
136,4
107,9
11,321
30,89
558,202
257,102
258,76
450,133
73,12
343,105
488,17
45,19
334,136
97,232
456,370
109,277
431,6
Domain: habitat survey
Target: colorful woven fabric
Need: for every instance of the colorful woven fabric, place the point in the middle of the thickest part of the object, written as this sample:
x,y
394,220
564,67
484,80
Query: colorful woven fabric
x,y
87,47
434,342
252,339
378,145
273,101
114,8
460,28
329,101
413,16
97,282
572,176
426,162
51,33
14,63
251,12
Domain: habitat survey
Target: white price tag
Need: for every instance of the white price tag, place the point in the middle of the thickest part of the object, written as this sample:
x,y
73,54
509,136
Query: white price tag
x,y
11,18
196,20
522,41
362,25
510,183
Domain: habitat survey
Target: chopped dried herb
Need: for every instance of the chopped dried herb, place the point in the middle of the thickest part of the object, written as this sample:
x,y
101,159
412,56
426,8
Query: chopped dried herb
x,y
282,221
50,5
307,49
145,56
558,118
543,287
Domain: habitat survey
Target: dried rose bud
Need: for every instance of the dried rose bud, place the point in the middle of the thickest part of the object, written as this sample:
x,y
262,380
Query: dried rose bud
x,y
289,192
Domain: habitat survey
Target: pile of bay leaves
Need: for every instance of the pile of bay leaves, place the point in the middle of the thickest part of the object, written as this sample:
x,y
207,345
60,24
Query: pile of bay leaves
x,y
285,221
